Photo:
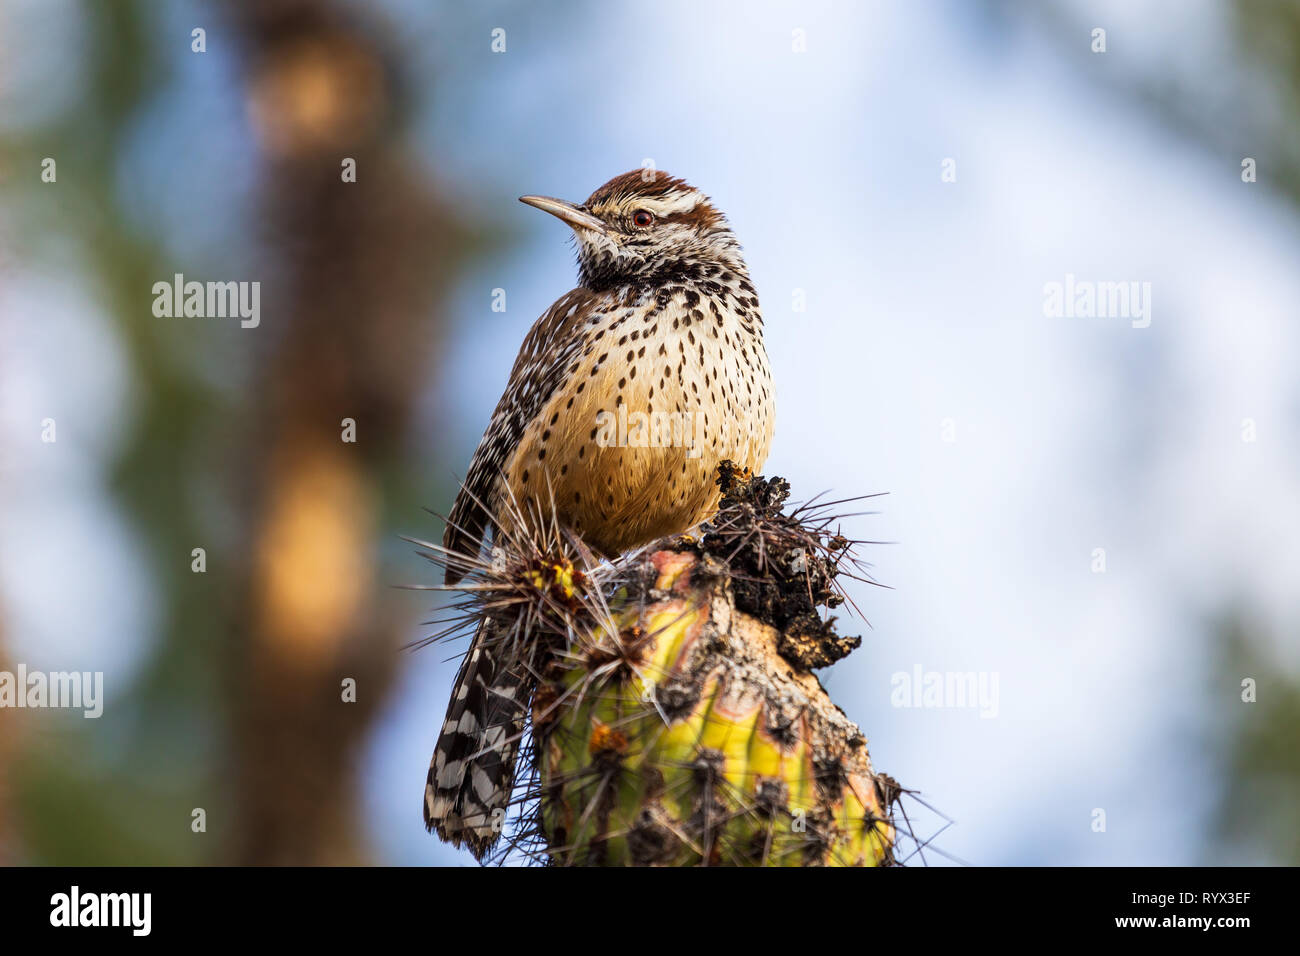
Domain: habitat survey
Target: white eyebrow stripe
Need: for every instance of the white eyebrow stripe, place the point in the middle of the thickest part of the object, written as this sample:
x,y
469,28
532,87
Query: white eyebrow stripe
x,y
672,204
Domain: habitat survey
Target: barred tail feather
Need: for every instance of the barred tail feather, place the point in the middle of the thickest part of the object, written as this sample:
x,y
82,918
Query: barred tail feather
x,y
471,775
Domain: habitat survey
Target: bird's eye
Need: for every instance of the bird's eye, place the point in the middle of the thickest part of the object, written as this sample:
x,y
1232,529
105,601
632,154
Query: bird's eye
x,y
642,218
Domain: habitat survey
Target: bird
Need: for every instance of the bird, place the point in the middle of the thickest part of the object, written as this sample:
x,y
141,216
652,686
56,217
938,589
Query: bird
x,y
626,395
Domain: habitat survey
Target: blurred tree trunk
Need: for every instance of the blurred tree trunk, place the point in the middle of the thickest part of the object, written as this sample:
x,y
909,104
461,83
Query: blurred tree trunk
x,y
232,440
353,284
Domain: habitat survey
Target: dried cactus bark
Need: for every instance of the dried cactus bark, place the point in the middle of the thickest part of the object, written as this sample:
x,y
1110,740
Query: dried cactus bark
x,y
679,734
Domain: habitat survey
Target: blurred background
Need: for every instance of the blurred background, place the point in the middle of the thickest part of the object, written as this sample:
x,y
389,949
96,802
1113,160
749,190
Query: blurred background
x,y
907,332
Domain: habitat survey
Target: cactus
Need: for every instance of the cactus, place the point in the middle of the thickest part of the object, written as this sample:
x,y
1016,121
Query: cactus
x,y
681,737
676,720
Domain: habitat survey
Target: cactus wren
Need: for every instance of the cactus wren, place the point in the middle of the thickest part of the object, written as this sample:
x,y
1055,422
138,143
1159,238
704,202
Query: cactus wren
x,y
662,332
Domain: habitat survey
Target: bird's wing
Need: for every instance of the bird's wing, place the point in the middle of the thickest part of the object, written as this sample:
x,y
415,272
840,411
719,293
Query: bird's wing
x,y
549,350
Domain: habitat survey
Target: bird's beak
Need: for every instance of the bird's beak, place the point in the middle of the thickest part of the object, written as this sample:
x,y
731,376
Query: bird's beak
x,y
568,212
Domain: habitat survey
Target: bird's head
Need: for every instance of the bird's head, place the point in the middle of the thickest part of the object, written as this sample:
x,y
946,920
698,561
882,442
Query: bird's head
x,y
643,228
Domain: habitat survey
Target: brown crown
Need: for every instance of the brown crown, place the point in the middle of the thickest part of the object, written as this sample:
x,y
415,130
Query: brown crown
x,y
655,184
